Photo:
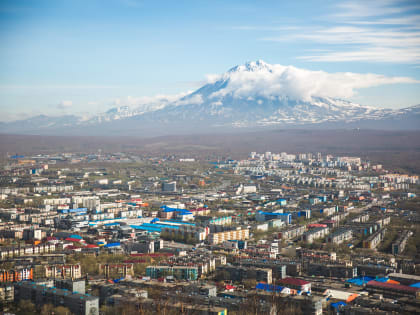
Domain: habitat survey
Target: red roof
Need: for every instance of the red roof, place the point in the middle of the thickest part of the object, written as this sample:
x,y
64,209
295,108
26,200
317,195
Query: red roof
x,y
72,247
398,287
315,225
152,255
293,281
92,246
73,239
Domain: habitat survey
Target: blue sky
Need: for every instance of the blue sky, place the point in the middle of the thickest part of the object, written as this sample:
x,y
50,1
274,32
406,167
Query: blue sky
x,y
82,57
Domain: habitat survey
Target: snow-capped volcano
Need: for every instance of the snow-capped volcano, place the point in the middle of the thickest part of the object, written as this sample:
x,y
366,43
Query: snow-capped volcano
x,y
253,95
260,94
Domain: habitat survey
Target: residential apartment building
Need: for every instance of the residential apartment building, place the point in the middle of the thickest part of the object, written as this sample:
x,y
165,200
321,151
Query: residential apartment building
x,y
327,270
63,271
399,245
178,272
16,275
10,252
314,234
375,239
262,216
239,273
116,270
292,232
340,236
82,304
220,237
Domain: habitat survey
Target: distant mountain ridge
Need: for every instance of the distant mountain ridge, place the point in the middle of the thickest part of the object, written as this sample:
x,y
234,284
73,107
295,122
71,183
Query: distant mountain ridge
x,y
226,103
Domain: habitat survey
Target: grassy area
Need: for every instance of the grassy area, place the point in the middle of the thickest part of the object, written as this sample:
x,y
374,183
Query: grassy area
x,y
412,248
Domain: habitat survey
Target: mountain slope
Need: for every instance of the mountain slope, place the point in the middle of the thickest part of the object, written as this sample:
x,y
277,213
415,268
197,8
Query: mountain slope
x,y
251,96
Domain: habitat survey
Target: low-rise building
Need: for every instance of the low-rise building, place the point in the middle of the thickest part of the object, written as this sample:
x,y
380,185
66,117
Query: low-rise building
x,y
391,290
404,278
297,284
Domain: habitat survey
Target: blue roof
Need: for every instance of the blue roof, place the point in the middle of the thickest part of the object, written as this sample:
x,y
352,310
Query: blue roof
x,y
112,224
78,210
153,227
76,236
360,280
180,222
157,227
146,228
169,209
112,245
338,304
383,279
185,212
415,285
273,213
160,225
269,287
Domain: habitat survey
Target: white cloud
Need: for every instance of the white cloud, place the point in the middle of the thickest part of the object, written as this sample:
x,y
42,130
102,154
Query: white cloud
x,y
277,81
378,54
65,104
211,78
149,103
358,9
195,99
374,31
217,103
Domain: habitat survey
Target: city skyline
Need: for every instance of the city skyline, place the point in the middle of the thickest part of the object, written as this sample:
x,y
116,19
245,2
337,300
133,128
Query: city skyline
x,y
209,157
